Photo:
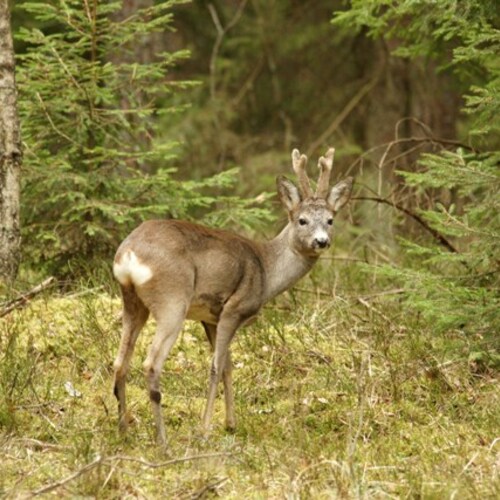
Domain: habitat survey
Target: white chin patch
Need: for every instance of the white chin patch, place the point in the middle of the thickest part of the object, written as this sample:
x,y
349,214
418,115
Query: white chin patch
x,y
129,269
320,250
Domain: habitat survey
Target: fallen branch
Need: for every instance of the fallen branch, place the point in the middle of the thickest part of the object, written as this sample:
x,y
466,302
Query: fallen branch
x,y
23,299
156,465
71,477
109,461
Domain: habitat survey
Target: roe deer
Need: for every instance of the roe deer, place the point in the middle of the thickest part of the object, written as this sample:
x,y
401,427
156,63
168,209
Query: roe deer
x,y
178,270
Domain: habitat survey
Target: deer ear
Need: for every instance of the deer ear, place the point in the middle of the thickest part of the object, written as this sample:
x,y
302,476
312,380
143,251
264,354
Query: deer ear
x,y
288,193
339,194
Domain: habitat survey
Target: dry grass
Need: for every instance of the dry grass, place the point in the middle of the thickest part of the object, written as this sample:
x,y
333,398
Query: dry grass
x,y
337,397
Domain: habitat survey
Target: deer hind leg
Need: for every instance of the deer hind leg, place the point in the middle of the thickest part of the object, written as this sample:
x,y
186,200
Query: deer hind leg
x,y
211,331
169,320
135,315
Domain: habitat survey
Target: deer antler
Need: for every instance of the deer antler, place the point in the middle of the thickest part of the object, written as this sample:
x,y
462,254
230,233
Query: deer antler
x,y
325,164
299,166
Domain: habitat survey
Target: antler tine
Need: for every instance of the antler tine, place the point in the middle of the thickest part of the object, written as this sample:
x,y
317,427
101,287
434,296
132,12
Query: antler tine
x,y
325,164
299,166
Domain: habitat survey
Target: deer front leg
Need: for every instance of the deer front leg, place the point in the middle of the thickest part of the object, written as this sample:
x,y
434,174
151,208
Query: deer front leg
x,y
221,364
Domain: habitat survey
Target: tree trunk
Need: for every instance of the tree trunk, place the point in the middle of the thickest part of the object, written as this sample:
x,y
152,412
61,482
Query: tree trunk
x,y
10,153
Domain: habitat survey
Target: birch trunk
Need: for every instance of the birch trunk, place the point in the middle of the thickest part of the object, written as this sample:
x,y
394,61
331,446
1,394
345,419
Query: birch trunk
x,y
10,152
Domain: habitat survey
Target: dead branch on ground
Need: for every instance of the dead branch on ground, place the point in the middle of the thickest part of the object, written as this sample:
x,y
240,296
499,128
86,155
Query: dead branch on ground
x,y
24,298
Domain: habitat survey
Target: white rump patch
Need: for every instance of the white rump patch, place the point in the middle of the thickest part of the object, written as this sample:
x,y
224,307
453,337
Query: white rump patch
x,y
130,269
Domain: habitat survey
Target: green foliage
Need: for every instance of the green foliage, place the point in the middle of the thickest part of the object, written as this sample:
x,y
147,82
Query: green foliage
x,y
463,36
457,290
95,155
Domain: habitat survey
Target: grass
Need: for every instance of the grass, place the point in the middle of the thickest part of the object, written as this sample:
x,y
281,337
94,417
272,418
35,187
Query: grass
x,y
339,394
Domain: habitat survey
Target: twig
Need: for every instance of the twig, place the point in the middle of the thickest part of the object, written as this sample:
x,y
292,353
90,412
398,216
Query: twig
x,y
42,445
221,32
430,139
157,465
322,357
362,92
493,443
315,292
109,476
363,302
469,463
362,402
21,301
82,293
71,477
394,291
439,237
199,493
347,259
407,152
110,461
307,469
52,124
426,129
248,84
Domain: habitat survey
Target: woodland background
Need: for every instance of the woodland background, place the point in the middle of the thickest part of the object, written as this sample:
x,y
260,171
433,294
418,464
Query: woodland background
x,y
140,109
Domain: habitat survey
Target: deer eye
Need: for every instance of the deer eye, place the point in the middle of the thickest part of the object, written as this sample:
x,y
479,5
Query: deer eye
x,y
302,221
330,222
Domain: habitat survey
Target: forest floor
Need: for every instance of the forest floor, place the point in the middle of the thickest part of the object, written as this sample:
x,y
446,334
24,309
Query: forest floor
x,y
340,393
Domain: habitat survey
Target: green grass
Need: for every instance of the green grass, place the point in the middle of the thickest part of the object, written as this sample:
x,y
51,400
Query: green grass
x,y
339,394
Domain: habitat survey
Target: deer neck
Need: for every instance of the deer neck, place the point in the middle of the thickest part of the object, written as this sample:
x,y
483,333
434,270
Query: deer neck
x,y
283,264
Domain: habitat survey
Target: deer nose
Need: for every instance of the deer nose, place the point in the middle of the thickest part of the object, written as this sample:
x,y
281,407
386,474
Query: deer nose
x,y
321,242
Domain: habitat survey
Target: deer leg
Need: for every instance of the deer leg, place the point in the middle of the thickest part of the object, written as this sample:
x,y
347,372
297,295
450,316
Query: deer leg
x,y
225,332
169,325
227,379
211,331
135,315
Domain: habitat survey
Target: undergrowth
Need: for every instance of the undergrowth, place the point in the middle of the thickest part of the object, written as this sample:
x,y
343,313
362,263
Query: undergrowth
x,y
339,394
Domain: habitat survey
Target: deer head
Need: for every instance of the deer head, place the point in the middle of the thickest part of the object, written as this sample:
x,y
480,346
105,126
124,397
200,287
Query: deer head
x,y
311,214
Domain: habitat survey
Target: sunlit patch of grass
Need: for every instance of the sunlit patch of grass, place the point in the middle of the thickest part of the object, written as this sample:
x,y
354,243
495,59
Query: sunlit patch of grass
x,y
335,397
